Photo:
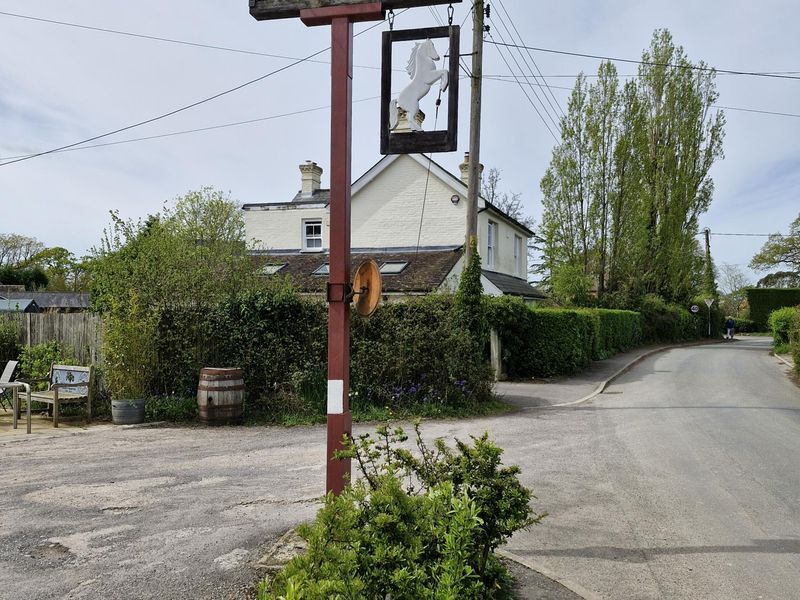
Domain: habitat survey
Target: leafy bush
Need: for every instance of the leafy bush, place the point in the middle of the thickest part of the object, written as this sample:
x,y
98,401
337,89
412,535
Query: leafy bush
x,y
433,538
614,331
35,361
171,408
541,342
763,301
416,353
780,322
9,348
745,325
662,322
794,340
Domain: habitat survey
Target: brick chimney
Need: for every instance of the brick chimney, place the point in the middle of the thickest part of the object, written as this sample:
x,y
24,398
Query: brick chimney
x,y
465,169
310,178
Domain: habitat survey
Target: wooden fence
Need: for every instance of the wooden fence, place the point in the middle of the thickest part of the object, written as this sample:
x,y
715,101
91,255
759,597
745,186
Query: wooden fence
x,y
82,332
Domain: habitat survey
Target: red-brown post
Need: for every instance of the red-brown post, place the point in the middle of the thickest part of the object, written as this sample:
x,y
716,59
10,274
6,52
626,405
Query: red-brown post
x,y
341,20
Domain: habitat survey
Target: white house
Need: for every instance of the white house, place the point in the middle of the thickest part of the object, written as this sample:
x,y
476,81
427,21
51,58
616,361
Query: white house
x,y
407,213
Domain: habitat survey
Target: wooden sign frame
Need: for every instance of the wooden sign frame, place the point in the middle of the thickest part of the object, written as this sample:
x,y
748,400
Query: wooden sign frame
x,y
264,10
421,142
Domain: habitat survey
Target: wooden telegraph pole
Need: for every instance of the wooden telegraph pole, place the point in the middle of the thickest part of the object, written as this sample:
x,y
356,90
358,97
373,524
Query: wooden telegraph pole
x,y
474,181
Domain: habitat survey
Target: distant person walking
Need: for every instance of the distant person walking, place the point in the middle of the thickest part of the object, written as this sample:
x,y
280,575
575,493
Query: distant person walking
x,y
729,326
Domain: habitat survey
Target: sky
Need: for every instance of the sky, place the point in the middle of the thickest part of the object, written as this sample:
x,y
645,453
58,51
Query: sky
x,y
61,84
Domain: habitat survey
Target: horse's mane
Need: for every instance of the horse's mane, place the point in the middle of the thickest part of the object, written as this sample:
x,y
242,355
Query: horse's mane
x,y
411,67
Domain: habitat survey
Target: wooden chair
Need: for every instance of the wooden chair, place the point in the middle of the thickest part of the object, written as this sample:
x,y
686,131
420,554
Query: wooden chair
x,y
66,384
6,377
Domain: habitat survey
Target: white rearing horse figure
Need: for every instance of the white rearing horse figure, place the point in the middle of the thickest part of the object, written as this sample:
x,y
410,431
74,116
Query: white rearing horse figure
x,y
423,72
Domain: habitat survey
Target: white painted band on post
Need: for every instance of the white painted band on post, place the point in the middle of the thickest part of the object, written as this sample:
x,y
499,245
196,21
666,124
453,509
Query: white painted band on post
x,y
335,397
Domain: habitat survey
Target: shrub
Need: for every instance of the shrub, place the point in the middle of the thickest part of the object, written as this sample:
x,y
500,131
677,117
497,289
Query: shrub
x,y
662,322
541,342
780,322
794,340
9,348
763,301
548,342
433,538
744,325
415,352
35,361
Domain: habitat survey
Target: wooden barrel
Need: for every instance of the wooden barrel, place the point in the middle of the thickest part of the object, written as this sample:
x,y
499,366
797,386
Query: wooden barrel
x,y
220,395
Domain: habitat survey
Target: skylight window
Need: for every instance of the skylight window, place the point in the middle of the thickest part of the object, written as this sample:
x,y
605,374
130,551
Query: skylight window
x,y
322,270
272,269
393,267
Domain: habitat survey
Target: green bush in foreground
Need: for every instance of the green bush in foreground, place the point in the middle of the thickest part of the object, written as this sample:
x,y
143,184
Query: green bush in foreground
x,y
9,349
431,537
780,323
35,361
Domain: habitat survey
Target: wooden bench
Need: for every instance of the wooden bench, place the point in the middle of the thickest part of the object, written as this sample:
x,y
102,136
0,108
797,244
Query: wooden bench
x,y
67,384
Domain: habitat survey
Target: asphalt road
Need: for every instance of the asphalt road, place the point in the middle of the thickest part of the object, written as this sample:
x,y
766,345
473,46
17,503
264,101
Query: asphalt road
x,y
681,481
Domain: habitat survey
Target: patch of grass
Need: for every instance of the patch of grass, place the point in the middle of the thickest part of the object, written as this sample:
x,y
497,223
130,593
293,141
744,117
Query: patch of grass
x,y
783,349
369,413
175,409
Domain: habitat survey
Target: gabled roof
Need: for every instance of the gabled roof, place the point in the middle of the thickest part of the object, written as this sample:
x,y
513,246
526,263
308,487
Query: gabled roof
x,y
54,300
440,172
18,305
513,286
425,272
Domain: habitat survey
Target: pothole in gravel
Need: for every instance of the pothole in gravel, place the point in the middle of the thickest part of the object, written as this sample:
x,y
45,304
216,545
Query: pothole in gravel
x,y
52,551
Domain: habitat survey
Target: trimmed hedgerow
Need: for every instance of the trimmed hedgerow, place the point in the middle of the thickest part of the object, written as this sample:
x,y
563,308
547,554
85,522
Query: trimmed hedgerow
x,y
763,301
744,325
406,354
614,331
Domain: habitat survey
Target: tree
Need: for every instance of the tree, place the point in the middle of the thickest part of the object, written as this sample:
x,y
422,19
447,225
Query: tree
x,y
733,283
777,251
16,249
169,258
630,177
508,202
64,271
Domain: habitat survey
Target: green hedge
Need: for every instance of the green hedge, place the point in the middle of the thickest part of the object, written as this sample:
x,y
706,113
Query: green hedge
x,y
745,325
794,340
763,301
404,354
669,323
9,349
550,342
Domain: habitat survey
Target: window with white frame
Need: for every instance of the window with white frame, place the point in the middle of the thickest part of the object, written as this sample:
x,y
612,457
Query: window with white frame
x,y
517,256
491,245
312,234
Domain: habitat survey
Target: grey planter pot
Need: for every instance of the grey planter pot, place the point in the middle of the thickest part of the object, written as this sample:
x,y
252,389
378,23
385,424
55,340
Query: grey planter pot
x,y
127,412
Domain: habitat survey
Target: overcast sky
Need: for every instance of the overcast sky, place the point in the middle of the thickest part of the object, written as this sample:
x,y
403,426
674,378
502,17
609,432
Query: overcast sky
x,y
61,84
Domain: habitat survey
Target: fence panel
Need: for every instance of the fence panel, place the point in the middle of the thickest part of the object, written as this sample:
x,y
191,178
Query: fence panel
x,y
81,331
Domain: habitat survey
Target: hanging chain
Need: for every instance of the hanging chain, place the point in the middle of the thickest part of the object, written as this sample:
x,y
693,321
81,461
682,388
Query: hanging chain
x,y
391,19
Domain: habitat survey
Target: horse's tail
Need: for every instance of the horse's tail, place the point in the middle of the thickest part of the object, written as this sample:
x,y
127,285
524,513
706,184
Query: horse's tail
x,y
393,115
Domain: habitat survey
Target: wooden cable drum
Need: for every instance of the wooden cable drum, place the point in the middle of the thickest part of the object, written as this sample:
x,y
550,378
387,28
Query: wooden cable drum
x,y
220,395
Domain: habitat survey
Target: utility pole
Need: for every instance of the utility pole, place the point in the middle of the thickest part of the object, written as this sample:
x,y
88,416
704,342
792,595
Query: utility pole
x,y
473,187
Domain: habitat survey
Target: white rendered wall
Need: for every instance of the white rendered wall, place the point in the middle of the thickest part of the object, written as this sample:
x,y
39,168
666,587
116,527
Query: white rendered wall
x,y
504,252
281,228
386,212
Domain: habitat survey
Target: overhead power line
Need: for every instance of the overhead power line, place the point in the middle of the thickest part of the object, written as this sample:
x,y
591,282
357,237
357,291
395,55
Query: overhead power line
x,y
198,129
182,108
651,63
509,79
171,40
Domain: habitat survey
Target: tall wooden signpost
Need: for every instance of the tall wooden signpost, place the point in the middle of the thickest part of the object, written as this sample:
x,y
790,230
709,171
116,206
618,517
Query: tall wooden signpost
x,y
340,15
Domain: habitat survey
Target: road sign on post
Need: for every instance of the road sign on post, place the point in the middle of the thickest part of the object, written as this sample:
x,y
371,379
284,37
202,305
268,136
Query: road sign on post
x,y
709,302
340,15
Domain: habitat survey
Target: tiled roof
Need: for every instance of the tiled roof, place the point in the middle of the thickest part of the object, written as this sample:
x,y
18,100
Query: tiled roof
x,y
18,305
54,300
513,286
425,272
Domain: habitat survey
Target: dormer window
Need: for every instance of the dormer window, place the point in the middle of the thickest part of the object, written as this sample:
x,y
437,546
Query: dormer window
x,y
272,269
312,235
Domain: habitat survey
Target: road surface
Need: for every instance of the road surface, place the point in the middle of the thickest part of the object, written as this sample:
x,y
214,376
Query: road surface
x,y
680,481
